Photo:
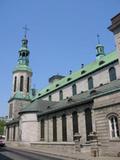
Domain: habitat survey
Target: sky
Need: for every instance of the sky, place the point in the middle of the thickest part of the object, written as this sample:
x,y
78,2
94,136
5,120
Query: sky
x,y
62,35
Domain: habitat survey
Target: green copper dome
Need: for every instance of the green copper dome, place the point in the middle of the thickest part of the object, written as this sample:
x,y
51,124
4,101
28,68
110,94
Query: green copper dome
x,y
22,68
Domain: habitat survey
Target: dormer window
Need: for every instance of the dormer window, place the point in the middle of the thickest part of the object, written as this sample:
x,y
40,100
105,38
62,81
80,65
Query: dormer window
x,y
83,71
101,62
47,90
39,94
68,79
57,85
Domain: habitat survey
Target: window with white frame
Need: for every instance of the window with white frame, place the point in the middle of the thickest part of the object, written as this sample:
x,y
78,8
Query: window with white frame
x,y
114,127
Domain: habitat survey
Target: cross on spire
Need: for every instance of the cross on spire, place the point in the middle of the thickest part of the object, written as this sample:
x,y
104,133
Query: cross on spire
x,y
98,38
25,30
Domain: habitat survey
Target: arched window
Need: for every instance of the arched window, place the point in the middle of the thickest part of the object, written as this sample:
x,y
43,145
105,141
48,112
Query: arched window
x,y
90,83
64,128
75,123
21,83
61,95
88,121
112,74
42,129
15,83
54,129
28,84
74,89
114,127
50,98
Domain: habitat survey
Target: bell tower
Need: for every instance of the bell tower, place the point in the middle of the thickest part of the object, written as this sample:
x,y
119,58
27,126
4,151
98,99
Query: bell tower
x,y
22,74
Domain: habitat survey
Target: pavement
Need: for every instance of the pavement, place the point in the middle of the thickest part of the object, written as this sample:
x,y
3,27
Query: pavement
x,y
65,156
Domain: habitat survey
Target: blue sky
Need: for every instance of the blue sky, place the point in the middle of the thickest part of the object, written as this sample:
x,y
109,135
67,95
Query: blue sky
x,y
62,36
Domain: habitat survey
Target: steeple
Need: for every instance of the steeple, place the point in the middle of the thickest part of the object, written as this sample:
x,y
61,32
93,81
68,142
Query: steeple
x,y
21,85
99,49
24,51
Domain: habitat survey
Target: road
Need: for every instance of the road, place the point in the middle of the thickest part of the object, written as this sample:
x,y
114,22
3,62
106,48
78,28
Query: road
x,y
7,153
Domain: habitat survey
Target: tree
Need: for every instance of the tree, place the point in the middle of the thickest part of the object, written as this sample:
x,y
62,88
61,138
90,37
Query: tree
x,y
2,125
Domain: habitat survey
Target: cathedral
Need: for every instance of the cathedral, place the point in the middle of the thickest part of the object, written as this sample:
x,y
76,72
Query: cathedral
x,y
78,112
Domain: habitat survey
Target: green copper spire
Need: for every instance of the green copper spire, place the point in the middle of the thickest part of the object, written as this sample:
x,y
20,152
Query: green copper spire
x,y
23,59
24,51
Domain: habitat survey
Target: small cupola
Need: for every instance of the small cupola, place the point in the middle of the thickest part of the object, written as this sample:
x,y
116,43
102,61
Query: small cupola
x,y
99,49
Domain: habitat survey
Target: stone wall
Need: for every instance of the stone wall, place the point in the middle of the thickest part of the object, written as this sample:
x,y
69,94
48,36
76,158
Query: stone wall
x,y
104,107
29,127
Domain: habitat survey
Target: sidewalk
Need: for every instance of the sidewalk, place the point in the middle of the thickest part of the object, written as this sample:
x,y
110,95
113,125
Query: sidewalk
x,y
65,156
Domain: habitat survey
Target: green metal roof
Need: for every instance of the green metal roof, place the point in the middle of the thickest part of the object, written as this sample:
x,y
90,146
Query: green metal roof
x,y
92,67
21,67
19,95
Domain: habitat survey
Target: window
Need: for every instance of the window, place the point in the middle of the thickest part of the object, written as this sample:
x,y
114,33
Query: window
x,y
68,79
11,110
112,74
28,84
90,83
113,126
15,82
50,98
61,95
21,83
42,130
75,123
14,132
74,89
88,121
54,129
64,128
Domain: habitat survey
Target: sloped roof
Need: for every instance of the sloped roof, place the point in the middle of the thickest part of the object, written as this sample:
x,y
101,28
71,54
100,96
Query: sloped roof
x,y
19,95
92,67
37,106
13,121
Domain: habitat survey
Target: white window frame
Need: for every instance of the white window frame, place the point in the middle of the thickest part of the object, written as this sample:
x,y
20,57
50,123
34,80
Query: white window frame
x,y
113,127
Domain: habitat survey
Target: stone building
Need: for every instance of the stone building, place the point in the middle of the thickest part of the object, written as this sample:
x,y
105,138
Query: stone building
x,y
82,107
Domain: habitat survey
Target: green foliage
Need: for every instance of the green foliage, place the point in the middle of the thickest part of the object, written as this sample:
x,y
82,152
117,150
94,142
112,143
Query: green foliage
x,y
2,124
